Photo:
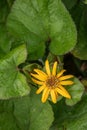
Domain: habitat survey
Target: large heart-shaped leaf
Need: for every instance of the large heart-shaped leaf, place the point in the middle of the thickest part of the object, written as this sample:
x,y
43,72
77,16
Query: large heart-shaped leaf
x,y
12,82
40,21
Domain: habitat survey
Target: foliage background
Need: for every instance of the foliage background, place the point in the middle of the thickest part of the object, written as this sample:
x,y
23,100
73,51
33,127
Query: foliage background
x,y
30,32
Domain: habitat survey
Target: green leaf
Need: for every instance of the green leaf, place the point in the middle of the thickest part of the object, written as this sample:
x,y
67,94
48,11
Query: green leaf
x,y
79,118
37,21
7,122
63,30
85,1
4,10
7,119
6,106
61,113
12,82
28,69
32,112
71,118
36,50
80,50
22,112
5,42
26,113
10,2
76,91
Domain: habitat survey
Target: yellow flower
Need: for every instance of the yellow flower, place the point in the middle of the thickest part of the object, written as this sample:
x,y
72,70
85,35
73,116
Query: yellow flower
x,y
51,83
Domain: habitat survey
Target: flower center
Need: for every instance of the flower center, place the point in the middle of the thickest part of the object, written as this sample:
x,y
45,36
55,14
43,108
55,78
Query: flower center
x,y
52,81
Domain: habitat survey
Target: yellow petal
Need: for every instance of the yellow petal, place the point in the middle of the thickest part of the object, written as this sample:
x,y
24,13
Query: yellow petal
x,y
68,82
38,77
60,73
62,91
45,94
40,89
47,67
53,96
66,77
40,73
54,69
56,94
37,81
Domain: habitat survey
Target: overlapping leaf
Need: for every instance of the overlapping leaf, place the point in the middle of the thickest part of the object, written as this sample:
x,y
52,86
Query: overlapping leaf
x,y
79,118
12,82
71,118
33,113
76,92
26,113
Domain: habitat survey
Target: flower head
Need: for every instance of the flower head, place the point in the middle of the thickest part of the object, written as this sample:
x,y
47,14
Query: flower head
x,y
51,84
